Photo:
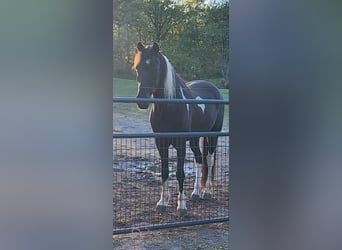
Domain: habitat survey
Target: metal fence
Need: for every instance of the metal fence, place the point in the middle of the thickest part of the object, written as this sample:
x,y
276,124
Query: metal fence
x,y
137,180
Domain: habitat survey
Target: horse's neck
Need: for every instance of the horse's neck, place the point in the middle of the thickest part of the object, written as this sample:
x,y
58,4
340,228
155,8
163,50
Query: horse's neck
x,y
160,108
182,85
179,84
170,84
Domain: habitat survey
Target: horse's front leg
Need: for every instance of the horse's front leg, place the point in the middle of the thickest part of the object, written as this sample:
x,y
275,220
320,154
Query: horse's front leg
x,y
163,149
181,202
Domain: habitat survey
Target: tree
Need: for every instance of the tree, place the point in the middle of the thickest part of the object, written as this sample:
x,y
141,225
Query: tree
x,y
199,47
192,34
163,16
127,19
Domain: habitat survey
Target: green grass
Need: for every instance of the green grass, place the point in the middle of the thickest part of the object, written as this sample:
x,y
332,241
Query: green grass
x,y
124,88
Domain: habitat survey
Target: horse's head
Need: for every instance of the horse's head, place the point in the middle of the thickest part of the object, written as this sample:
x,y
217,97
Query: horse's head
x,y
147,65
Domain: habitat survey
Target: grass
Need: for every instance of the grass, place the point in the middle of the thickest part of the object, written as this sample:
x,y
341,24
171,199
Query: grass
x,y
124,88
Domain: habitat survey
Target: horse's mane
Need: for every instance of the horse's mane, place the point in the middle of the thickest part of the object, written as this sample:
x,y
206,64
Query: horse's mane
x,y
137,60
170,80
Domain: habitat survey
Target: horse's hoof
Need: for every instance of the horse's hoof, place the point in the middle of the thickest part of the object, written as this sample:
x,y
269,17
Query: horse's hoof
x,y
195,197
181,212
206,196
160,209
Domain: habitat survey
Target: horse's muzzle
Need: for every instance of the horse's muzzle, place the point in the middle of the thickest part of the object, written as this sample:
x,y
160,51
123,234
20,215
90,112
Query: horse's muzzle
x,y
144,93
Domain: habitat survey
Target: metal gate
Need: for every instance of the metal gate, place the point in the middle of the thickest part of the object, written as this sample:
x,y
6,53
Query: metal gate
x,y
137,180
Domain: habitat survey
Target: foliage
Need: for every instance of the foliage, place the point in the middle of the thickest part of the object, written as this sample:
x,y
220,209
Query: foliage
x,y
192,34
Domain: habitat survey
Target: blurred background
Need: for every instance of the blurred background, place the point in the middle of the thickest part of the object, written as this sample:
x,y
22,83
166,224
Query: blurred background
x,y
192,34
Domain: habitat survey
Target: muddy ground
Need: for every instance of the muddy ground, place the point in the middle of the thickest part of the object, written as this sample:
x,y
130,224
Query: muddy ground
x,y
137,205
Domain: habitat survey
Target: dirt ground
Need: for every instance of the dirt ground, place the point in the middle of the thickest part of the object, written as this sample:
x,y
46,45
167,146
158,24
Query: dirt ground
x,y
209,236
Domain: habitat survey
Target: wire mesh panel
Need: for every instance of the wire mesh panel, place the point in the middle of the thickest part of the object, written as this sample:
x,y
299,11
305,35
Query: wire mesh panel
x,y
137,185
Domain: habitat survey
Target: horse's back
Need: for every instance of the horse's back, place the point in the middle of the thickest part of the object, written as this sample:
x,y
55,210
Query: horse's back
x,y
204,90
206,117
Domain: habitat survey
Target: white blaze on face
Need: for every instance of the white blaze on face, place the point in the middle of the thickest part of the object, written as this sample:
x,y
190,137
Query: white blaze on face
x,y
165,195
202,106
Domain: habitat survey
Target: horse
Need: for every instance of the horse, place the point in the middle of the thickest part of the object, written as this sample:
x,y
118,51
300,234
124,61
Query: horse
x,y
157,78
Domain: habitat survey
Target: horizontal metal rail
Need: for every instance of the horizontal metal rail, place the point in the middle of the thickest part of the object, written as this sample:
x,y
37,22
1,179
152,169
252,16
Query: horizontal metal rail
x,y
168,100
169,134
169,225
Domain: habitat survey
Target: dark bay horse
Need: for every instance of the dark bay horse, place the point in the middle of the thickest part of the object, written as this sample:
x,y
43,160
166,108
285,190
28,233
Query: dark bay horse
x,y
156,77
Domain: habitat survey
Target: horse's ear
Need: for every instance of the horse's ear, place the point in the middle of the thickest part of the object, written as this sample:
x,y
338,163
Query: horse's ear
x,y
140,46
155,47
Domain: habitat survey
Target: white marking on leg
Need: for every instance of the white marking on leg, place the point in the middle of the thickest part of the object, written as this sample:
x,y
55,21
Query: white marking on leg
x,y
210,161
165,195
187,105
197,185
201,145
181,204
202,106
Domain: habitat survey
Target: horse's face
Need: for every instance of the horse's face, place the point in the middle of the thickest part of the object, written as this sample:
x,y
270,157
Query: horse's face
x,y
147,64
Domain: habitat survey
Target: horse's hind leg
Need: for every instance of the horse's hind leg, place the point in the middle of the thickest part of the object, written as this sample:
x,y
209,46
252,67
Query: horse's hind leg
x,y
208,167
181,203
194,145
163,149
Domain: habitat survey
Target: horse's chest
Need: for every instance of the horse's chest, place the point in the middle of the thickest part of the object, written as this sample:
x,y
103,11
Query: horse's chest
x,y
176,120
